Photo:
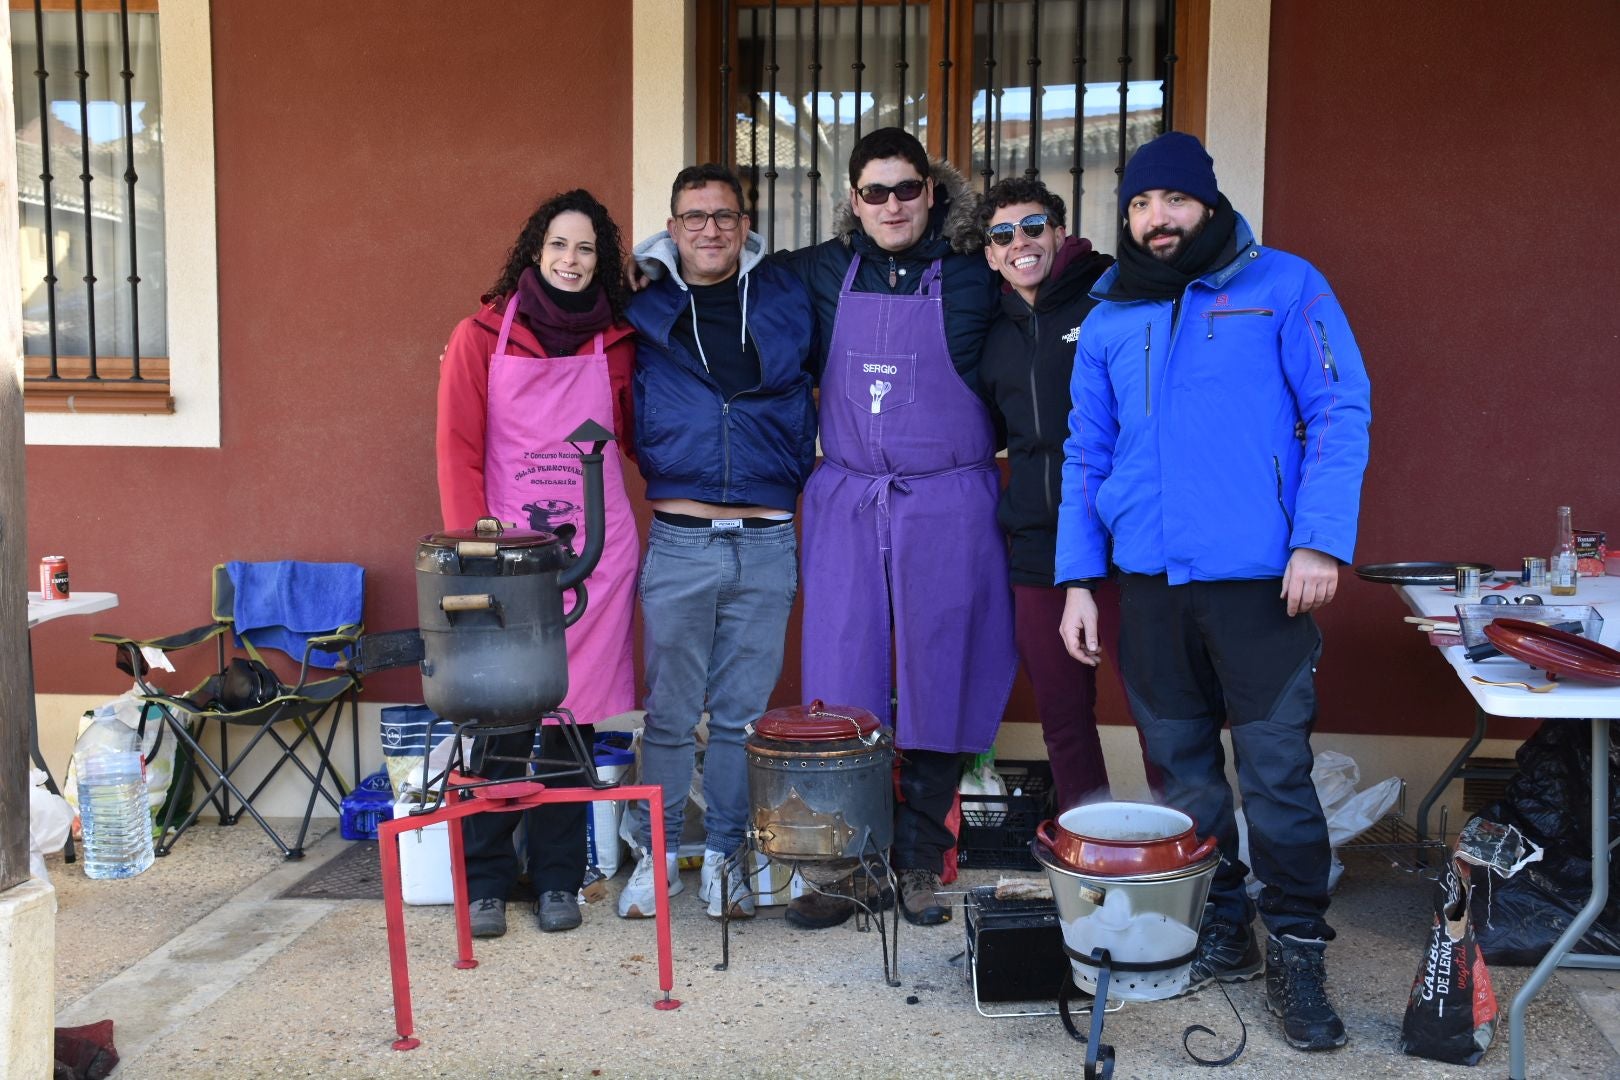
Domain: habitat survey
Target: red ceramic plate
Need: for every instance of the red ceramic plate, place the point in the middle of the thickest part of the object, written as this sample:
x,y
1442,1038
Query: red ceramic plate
x,y
1555,651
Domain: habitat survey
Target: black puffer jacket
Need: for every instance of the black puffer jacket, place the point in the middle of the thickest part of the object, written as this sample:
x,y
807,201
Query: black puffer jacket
x,y
1028,358
952,234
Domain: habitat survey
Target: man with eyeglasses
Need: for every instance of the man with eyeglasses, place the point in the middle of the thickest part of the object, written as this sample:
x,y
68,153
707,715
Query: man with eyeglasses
x,y
1028,359
1219,436
725,437
905,570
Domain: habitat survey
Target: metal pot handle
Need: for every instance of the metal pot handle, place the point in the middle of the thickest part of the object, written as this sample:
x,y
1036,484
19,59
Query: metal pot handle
x,y
819,708
579,605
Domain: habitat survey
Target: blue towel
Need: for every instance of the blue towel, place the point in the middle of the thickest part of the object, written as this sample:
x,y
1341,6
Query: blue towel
x,y
281,605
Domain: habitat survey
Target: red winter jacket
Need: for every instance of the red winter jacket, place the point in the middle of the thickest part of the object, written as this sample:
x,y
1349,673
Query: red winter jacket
x,y
463,404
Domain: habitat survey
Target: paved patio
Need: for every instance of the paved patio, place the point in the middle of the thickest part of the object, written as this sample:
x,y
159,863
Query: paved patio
x,y
207,974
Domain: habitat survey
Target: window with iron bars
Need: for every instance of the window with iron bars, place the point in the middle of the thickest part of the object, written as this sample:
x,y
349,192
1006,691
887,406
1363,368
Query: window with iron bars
x,y
89,115
1059,90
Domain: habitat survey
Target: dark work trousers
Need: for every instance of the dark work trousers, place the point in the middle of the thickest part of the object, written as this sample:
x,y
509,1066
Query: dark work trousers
x,y
554,834
1066,690
1196,656
928,781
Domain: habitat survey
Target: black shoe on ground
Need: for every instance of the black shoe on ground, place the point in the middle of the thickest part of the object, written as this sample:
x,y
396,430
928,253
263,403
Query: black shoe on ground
x,y
556,910
833,905
920,901
1227,952
1296,990
488,917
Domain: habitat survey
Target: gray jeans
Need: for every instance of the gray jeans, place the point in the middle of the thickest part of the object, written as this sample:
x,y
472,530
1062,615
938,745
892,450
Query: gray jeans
x,y
715,603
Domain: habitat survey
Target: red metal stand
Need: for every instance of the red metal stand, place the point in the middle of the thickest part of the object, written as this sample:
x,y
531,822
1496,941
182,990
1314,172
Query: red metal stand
x,y
496,799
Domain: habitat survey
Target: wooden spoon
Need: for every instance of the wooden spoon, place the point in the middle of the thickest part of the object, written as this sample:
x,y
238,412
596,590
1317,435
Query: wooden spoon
x,y
1546,689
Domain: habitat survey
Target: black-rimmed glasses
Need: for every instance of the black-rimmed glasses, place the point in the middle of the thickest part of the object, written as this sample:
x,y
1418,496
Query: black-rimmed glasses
x,y
698,220
1002,235
878,194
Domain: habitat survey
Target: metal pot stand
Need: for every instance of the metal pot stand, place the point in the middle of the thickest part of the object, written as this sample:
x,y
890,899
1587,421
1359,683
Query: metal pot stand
x,y
873,863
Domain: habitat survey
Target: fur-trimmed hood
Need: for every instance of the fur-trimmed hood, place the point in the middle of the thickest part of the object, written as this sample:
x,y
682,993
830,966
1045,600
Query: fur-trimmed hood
x,y
954,216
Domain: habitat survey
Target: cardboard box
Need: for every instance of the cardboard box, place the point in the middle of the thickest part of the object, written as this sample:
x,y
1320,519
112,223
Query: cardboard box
x,y
1592,549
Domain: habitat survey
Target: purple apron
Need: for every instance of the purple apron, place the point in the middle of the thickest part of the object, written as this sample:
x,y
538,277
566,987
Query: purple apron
x,y
900,536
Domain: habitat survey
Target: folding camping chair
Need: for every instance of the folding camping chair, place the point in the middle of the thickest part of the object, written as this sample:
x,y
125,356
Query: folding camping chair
x,y
263,706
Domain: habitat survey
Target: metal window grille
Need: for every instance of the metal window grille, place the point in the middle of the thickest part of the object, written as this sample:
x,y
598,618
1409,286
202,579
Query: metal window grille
x,y
89,163
1060,90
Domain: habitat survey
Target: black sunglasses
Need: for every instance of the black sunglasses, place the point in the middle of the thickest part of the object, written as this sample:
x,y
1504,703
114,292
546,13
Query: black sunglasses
x,y
878,194
1002,235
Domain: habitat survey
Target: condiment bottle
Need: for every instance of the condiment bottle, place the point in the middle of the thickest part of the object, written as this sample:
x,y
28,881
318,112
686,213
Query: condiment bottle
x,y
1562,565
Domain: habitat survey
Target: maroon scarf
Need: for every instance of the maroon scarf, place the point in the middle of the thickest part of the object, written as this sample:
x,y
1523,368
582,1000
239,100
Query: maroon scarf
x,y
561,332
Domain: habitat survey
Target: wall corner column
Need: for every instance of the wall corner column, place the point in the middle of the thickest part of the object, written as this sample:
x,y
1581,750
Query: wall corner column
x,y
1239,80
663,88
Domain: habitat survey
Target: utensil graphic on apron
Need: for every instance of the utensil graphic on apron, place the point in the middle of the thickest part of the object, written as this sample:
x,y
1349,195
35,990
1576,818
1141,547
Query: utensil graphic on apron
x,y
532,477
901,543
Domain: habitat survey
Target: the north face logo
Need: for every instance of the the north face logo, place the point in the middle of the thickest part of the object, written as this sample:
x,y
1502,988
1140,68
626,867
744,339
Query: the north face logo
x,y
1072,336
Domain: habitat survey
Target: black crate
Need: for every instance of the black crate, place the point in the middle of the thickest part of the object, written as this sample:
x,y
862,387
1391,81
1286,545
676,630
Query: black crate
x,y
996,829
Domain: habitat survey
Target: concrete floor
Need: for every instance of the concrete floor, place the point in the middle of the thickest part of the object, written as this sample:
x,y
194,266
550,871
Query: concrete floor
x,y
206,974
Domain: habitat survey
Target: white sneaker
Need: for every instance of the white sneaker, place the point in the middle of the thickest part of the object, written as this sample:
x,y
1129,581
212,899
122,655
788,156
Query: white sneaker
x,y
639,899
737,884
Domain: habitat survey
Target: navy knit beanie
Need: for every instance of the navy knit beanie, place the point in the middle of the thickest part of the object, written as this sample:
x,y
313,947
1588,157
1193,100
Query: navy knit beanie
x,y
1175,161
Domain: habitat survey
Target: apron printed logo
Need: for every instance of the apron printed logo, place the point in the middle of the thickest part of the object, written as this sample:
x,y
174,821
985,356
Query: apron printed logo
x,y
878,388
1072,336
880,369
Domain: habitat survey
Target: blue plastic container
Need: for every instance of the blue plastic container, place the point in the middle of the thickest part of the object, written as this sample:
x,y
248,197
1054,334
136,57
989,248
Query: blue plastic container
x,y
366,807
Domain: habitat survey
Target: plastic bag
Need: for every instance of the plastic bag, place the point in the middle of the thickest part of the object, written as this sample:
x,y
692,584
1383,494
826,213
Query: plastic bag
x,y
1349,812
157,748
980,779
50,819
1452,1011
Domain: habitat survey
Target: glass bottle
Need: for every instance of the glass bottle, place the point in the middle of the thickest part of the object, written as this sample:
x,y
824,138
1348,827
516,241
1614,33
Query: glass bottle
x,y
1561,567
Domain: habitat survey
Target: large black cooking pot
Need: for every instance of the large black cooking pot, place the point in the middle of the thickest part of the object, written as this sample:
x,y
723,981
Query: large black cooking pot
x,y
489,605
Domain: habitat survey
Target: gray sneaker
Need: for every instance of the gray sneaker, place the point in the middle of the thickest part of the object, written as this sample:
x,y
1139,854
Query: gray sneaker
x,y
488,917
557,910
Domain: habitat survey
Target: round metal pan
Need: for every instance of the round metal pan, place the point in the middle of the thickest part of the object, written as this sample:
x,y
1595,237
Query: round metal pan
x,y
1419,573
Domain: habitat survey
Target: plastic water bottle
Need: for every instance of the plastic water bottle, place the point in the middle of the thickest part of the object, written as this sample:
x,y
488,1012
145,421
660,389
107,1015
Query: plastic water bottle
x,y
112,803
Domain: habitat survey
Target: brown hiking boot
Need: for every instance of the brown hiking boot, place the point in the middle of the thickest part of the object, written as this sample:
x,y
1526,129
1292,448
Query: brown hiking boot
x,y
920,901
834,904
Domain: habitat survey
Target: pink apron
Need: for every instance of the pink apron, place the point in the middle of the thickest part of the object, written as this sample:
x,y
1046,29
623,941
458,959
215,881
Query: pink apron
x,y
532,477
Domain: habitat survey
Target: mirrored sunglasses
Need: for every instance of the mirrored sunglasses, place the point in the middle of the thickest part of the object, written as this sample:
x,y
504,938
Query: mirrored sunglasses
x,y
878,194
1002,235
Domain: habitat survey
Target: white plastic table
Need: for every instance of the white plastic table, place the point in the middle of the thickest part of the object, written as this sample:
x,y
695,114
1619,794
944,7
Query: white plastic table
x,y
1573,700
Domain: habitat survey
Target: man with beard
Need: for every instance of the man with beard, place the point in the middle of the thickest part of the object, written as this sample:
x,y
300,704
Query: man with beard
x,y
1219,436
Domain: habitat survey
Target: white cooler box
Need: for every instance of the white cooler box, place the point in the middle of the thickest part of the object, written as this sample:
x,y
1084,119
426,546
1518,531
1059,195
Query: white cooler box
x,y
424,860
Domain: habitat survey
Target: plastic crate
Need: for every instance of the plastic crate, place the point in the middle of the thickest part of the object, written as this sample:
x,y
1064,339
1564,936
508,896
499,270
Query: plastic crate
x,y
996,829
366,807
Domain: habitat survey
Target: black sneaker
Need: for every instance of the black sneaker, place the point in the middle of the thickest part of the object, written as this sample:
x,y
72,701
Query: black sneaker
x,y
557,910
1296,990
488,917
1227,952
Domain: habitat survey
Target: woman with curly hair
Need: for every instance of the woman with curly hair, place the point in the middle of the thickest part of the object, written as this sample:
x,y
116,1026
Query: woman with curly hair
x,y
547,351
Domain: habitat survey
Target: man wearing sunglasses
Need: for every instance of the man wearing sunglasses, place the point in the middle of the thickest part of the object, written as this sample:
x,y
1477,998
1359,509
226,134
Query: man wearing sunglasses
x,y
905,570
1219,436
725,437
1028,360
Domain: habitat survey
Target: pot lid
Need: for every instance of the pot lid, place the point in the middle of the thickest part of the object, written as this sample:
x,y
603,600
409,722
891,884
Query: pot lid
x,y
816,722
491,531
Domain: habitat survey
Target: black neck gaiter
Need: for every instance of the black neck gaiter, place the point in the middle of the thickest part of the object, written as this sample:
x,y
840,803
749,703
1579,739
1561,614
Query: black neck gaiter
x,y
1143,277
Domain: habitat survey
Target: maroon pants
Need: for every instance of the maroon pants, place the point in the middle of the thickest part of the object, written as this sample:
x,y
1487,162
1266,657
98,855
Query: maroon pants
x,y
1066,690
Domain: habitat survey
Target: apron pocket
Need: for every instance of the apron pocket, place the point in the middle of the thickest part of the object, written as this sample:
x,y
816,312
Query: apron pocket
x,y
880,382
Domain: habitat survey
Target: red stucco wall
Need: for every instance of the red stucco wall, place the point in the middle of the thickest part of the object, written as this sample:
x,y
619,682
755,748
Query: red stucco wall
x,y
374,164
1449,167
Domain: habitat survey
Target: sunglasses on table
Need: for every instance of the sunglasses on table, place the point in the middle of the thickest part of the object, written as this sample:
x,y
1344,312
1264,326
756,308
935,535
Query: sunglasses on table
x,y
878,194
698,220
1002,235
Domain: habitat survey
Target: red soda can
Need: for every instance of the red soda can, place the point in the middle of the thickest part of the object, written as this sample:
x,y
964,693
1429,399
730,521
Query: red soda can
x,y
53,577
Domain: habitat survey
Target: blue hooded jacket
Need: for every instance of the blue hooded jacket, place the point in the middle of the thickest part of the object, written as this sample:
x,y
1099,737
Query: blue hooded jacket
x,y
1211,437
758,447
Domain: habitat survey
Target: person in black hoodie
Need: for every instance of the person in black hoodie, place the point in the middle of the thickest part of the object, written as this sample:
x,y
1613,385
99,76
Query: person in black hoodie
x,y
1024,373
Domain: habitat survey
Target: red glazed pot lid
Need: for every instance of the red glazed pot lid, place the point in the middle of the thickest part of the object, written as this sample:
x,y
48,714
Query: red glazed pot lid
x,y
490,531
816,722
1556,651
